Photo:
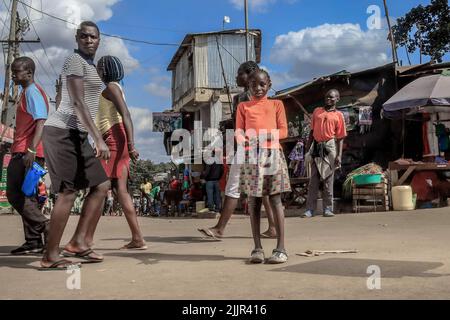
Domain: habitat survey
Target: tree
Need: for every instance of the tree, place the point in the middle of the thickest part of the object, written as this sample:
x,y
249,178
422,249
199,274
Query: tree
x,y
142,169
426,28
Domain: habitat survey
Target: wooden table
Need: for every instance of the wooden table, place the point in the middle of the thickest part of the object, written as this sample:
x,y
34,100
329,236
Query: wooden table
x,y
394,169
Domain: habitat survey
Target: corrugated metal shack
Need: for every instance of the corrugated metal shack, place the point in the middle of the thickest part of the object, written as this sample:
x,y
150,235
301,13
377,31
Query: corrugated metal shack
x,y
196,66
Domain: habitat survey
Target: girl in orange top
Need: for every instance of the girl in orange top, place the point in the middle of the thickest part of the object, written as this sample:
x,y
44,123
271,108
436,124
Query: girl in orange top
x,y
260,123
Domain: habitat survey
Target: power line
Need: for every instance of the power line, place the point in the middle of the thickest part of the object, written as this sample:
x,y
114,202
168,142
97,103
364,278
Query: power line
x,y
45,71
104,34
42,45
8,10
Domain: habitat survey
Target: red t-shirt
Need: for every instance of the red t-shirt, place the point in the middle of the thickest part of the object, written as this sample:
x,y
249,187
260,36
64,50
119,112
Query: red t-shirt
x,y
32,106
174,185
327,125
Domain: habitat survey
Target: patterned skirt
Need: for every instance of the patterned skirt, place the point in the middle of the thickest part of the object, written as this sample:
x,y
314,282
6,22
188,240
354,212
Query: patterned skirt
x,y
264,173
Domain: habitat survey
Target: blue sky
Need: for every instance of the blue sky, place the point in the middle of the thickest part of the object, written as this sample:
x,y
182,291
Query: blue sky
x,y
301,39
168,21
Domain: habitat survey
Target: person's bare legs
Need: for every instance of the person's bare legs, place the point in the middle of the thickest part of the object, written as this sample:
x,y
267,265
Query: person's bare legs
x,y
254,208
228,209
91,208
277,207
93,226
272,229
58,220
128,209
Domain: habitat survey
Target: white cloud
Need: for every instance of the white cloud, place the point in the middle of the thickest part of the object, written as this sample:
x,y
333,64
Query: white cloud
x,y
149,144
257,5
142,119
59,37
116,47
328,48
159,86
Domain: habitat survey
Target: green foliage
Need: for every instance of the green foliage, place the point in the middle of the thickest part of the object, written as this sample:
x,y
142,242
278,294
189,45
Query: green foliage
x,y
429,25
142,169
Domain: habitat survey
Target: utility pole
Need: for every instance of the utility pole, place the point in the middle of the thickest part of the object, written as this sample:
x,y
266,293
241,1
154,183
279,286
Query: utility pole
x,y
16,31
11,50
419,27
391,35
246,29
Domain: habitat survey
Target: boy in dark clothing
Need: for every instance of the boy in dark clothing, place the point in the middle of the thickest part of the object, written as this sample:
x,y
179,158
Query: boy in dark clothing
x,y
212,174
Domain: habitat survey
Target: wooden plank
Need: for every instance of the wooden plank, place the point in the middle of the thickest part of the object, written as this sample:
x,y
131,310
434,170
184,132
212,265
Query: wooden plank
x,y
419,166
376,192
369,197
406,175
371,187
394,176
372,208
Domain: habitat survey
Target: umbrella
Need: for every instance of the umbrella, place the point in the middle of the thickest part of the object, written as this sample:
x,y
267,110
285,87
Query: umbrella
x,y
426,94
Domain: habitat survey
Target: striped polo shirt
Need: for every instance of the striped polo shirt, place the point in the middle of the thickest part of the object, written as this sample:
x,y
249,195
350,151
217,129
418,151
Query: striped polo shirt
x,y
65,117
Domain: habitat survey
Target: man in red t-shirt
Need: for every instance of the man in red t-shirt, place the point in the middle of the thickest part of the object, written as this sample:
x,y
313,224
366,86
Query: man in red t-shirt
x,y
325,148
32,110
174,183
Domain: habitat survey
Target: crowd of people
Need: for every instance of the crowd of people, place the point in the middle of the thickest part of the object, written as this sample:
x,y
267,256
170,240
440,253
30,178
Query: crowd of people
x,y
92,103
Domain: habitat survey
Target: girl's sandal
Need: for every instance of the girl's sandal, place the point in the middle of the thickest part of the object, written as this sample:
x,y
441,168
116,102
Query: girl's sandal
x,y
257,256
278,256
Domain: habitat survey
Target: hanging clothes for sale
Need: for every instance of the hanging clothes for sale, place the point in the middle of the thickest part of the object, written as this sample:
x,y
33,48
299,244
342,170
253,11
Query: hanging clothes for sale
x,y
306,129
365,119
297,157
442,135
430,140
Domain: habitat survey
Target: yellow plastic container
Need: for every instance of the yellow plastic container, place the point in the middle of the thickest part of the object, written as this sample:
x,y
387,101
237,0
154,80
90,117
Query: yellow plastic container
x,y
199,205
402,198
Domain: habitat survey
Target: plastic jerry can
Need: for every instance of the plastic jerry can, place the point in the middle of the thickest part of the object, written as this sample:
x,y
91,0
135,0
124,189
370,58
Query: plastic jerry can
x,y
402,198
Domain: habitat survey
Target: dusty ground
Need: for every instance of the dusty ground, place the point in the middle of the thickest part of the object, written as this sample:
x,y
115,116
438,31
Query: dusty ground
x,y
410,248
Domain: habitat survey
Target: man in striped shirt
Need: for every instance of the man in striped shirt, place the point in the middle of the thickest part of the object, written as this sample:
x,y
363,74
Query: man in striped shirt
x,y
72,163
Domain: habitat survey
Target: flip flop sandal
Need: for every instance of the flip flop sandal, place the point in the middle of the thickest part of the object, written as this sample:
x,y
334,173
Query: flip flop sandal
x,y
208,233
278,256
82,255
62,264
133,247
265,235
257,256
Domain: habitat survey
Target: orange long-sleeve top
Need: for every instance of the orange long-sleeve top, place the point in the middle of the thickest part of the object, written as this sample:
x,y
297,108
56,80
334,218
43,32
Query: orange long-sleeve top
x,y
261,114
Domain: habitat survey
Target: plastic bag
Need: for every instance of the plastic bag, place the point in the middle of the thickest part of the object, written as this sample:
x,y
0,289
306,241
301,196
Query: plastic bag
x,y
30,184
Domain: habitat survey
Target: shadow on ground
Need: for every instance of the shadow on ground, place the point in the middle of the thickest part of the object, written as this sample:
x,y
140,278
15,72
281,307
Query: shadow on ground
x,y
177,240
359,268
148,258
19,262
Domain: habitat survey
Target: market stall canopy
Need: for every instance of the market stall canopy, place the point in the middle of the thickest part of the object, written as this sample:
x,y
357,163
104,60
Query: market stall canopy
x,y
426,94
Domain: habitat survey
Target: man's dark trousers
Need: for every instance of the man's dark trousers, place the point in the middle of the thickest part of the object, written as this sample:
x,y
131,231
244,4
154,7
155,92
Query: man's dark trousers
x,y
34,221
